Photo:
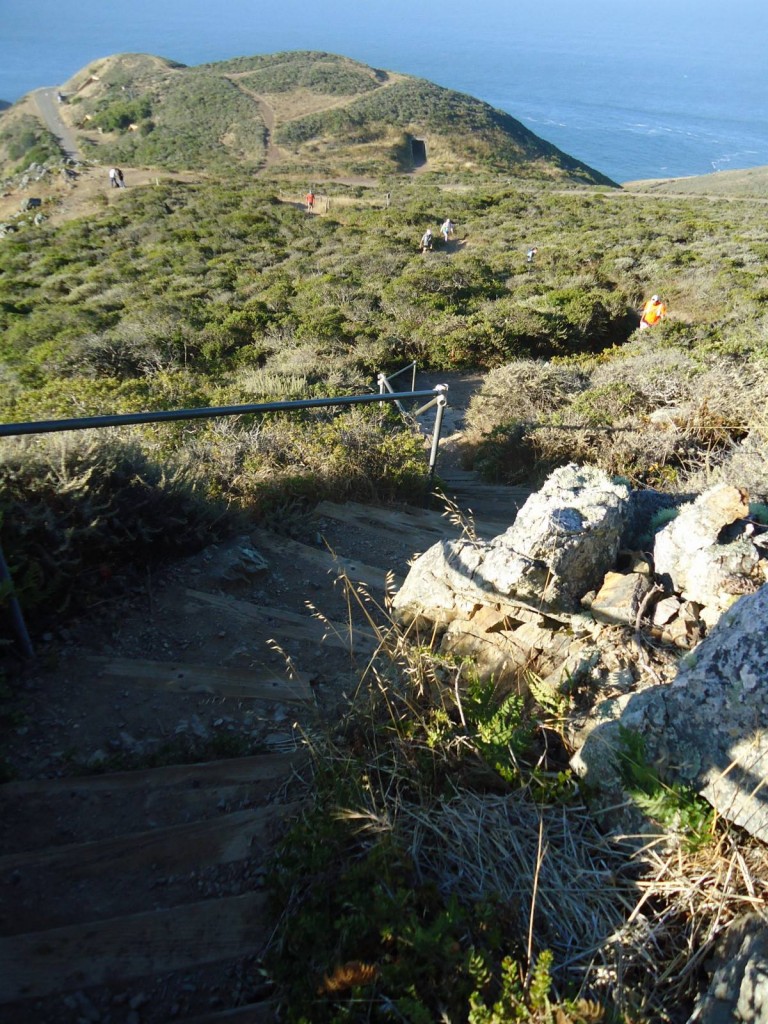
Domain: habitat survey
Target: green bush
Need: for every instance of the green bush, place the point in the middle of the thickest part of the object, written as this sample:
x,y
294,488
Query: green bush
x,y
120,115
77,514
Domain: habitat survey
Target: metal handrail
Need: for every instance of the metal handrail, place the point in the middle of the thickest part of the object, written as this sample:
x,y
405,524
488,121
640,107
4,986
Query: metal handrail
x,y
437,396
207,412
386,378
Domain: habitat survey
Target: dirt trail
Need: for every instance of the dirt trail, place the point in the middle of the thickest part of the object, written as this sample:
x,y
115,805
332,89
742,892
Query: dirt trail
x,y
46,104
159,746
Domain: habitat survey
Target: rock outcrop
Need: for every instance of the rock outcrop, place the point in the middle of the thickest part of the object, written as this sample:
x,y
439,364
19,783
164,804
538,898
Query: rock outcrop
x,y
709,728
739,987
543,604
504,602
561,544
700,564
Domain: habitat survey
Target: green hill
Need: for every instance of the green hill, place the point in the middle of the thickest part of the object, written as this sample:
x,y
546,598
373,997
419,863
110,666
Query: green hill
x,y
207,282
751,183
310,113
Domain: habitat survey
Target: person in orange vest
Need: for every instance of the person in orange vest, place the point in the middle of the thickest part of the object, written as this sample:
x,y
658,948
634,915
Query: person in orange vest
x,y
654,310
310,200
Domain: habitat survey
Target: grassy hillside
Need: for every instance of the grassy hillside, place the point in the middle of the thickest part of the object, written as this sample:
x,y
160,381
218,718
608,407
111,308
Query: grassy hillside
x,y
312,113
751,183
223,292
219,287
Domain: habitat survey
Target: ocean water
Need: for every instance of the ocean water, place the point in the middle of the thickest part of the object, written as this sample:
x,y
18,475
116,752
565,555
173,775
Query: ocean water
x,y
665,88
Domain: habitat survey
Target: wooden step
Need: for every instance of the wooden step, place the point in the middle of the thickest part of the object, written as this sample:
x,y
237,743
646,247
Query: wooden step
x,y
117,869
158,797
495,503
254,1013
221,681
38,964
232,771
421,528
334,564
285,624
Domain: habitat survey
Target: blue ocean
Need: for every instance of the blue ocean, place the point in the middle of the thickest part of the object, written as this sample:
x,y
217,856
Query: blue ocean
x,y
665,88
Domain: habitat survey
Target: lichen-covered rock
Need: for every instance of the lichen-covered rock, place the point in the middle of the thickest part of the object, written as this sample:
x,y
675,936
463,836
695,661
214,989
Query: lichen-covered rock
x,y
709,728
563,541
694,558
739,987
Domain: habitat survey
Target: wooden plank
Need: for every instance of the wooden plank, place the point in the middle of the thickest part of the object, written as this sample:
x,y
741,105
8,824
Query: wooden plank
x,y
420,528
220,840
292,624
38,964
421,524
180,677
232,771
254,1013
356,570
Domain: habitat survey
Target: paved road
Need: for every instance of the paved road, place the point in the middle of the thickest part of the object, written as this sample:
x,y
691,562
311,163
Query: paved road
x,y
48,108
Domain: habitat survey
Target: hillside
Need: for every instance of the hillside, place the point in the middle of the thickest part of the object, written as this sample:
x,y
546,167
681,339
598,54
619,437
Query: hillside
x,y
200,672
308,113
751,183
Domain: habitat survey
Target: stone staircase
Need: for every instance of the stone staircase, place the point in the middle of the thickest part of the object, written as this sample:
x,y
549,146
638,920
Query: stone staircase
x,y
138,895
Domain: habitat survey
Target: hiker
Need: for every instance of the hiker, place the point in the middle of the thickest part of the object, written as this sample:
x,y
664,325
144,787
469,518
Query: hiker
x,y
654,310
310,201
426,241
120,178
530,256
113,178
447,229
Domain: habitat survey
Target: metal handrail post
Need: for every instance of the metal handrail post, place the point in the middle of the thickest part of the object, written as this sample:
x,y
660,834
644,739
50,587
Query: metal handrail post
x,y
441,402
17,615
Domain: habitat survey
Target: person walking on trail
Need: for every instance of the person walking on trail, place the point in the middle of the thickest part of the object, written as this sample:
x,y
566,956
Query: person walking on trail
x,y
447,229
310,201
426,241
113,178
654,310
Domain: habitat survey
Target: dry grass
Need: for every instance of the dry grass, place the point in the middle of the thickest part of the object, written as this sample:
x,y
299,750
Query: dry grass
x,y
631,919
633,930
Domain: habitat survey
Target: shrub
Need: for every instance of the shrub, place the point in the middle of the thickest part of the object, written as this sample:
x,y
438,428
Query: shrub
x,y
78,512
525,391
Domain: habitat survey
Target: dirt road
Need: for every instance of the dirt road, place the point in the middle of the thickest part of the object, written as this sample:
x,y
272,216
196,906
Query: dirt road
x,y
47,106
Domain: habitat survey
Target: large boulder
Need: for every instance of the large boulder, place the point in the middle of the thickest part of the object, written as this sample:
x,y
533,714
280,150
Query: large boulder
x,y
699,560
563,541
709,728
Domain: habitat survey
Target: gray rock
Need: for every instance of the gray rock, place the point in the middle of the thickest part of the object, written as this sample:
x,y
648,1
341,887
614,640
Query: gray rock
x,y
709,728
689,552
563,541
739,987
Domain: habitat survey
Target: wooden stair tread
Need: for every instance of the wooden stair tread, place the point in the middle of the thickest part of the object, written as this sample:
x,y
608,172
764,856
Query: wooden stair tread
x,y
217,840
422,527
37,964
293,625
254,1013
117,869
214,679
231,771
357,571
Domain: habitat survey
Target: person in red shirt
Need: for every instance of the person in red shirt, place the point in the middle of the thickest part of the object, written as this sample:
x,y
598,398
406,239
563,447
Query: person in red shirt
x,y
310,200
